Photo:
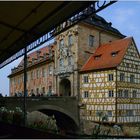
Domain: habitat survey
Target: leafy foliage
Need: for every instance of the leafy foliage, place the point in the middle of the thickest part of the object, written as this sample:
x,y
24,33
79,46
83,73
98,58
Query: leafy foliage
x,y
11,116
98,130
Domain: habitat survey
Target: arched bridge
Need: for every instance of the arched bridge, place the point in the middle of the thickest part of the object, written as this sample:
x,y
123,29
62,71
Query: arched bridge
x,y
65,109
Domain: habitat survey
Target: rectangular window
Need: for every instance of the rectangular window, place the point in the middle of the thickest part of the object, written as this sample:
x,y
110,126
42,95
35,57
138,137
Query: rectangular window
x,y
127,65
38,54
109,113
43,72
70,40
50,88
122,77
37,90
120,93
61,44
50,69
37,73
110,93
31,75
126,94
129,113
134,94
85,79
86,94
61,62
22,78
91,40
110,77
18,80
119,112
136,67
70,60
132,78
43,90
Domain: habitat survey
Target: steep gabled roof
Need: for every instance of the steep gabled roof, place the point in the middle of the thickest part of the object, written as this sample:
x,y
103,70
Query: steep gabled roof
x,y
43,56
108,55
42,51
99,21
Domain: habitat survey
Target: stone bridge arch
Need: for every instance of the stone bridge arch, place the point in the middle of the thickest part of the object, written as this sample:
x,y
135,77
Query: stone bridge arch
x,y
65,119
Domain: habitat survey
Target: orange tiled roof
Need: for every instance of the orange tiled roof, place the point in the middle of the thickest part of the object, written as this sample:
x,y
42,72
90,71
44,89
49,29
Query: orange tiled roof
x,y
107,55
34,54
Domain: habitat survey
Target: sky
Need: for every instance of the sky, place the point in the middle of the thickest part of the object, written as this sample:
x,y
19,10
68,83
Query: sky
x,y
124,15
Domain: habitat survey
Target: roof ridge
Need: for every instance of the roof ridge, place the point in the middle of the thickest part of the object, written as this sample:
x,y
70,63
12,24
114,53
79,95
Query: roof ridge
x,y
107,60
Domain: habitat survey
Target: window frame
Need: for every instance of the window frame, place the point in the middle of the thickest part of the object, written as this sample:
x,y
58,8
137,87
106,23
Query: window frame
x,y
70,40
122,77
86,94
132,78
109,113
50,69
110,93
37,74
120,93
43,72
110,77
134,92
91,40
61,43
126,92
61,62
86,79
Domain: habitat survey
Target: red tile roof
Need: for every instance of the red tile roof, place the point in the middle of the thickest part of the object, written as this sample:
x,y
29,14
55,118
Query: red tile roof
x,y
107,55
34,54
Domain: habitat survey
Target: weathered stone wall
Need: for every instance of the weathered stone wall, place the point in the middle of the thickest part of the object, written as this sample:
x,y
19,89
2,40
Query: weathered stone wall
x,y
100,37
66,105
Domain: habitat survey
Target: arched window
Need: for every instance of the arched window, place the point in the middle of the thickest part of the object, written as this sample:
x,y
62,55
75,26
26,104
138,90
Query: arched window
x,y
70,60
61,44
70,40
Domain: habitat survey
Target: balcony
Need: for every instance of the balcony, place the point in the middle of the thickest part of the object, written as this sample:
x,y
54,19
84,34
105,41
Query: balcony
x,y
64,70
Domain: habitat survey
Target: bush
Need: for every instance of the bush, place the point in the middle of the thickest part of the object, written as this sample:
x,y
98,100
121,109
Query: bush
x,y
11,116
4,114
18,116
44,122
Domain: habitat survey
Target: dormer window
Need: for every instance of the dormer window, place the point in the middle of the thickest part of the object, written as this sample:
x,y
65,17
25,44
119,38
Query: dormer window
x,y
113,54
97,57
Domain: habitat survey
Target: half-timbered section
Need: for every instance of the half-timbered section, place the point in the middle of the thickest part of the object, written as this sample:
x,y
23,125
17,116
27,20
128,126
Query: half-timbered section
x,y
128,86
40,67
74,47
98,93
110,83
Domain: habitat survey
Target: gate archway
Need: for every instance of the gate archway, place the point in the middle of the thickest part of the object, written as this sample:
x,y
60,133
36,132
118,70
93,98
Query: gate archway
x,y
65,87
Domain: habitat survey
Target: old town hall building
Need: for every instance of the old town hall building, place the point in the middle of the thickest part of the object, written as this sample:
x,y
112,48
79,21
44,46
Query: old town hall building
x,y
92,61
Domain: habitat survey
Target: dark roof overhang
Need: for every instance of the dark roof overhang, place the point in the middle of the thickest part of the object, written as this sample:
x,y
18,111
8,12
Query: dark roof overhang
x,y
22,22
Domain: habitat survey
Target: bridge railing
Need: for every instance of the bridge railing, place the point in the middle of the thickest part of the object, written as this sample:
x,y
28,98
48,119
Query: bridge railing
x,y
40,98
